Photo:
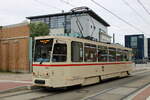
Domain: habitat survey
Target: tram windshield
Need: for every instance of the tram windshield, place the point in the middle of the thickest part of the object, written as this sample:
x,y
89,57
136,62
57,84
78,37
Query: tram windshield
x,y
43,50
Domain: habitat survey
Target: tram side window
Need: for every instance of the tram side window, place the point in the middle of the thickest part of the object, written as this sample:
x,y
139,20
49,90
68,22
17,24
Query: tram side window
x,y
102,54
126,58
76,51
127,55
90,53
59,52
119,55
112,54
130,55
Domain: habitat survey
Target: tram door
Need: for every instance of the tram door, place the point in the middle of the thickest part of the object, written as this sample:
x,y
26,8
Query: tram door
x,y
59,56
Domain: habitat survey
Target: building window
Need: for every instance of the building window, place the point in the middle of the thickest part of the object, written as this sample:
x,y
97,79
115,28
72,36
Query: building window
x,y
33,20
57,22
37,20
68,24
47,21
76,52
90,53
134,42
54,22
61,21
102,54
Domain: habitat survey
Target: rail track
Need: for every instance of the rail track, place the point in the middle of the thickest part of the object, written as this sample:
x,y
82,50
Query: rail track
x,y
44,94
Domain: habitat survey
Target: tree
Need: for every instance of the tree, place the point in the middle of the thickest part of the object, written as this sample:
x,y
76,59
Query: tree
x,y
1,27
38,29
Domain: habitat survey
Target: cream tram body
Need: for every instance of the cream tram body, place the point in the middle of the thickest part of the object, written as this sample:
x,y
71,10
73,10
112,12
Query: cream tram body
x,y
66,61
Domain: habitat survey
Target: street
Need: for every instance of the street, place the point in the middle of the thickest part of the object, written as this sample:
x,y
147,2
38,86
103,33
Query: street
x,y
115,89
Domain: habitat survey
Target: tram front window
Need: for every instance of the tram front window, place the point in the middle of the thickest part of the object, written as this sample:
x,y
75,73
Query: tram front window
x,y
43,50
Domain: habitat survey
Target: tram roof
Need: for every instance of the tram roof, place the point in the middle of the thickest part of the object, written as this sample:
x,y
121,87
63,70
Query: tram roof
x,y
84,41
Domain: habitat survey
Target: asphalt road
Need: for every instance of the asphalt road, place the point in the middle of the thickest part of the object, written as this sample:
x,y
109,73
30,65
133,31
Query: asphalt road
x,y
112,89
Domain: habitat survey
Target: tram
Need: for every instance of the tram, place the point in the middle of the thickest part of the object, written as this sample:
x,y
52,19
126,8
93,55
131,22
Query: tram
x,y
61,61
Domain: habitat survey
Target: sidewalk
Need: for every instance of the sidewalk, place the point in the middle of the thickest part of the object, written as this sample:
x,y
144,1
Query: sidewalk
x,y
141,67
143,94
14,80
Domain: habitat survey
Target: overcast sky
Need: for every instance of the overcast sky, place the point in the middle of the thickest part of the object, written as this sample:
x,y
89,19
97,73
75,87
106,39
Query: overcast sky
x,y
15,11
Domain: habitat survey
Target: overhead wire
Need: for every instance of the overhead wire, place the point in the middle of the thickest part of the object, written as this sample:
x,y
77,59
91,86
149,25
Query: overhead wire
x,y
134,27
123,20
126,3
146,10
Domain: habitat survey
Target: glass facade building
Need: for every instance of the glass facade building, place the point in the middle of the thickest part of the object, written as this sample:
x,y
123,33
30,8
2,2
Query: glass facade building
x,y
63,20
148,48
138,45
55,22
84,22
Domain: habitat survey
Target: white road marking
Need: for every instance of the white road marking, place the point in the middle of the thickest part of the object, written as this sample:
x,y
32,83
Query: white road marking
x,y
15,81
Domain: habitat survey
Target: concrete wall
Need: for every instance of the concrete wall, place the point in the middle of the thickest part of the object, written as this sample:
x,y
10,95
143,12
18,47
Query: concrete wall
x,y
14,48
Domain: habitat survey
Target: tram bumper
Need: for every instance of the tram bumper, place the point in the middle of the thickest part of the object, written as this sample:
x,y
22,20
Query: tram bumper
x,y
42,82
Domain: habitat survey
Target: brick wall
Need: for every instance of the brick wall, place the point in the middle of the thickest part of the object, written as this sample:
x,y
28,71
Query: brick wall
x,y
14,48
